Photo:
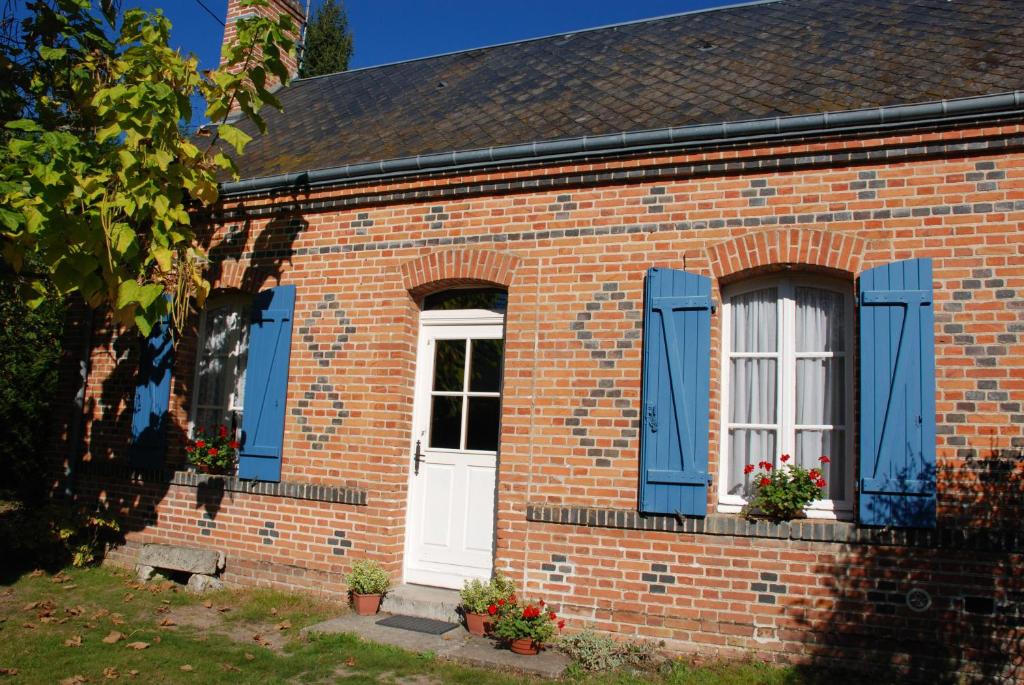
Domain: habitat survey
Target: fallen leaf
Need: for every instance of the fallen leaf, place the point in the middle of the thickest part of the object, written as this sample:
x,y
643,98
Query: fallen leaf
x,y
74,680
133,673
113,636
35,574
137,645
30,626
117,619
129,597
208,604
351,661
75,641
8,671
110,673
230,668
162,610
75,611
223,609
249,657
100,614
168,622
165,601
273,611
187,668
69,586
156,639
60,578
284,625
89,625
167,585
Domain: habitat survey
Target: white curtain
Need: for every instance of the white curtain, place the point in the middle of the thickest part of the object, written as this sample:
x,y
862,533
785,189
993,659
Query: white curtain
x,y
753,382
221,378
820,381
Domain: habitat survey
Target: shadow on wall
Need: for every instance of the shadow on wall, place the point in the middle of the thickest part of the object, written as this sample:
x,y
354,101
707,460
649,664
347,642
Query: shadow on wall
x,y
109,447
946,613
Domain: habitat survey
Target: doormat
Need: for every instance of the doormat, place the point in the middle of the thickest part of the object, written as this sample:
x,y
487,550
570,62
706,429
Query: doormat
x,y
415,623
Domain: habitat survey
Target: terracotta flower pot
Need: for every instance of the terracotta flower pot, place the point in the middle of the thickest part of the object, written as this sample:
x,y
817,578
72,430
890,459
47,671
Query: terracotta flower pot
x,y
365,605
525,646
478,624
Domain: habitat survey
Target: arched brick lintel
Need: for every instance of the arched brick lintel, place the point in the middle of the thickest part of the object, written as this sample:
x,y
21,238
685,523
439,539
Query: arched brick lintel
x,y
783,248
452,268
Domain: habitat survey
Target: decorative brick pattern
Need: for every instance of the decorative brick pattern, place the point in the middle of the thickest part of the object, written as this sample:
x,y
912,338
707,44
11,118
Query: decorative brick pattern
x,y
267,533
561,207
758,193
206,524
559,569
339,543
436,217
658,579
327,317
656,200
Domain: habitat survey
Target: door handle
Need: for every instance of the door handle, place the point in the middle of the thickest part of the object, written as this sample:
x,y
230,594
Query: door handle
x,y
417,456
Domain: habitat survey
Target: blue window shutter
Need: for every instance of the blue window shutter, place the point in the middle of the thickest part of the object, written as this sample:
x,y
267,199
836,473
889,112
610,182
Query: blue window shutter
x,y
266,384
897,395
676,370
152,399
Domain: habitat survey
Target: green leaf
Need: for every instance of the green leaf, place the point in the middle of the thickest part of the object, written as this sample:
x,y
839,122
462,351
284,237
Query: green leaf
x,y
23,125
52,53
108,132
234,137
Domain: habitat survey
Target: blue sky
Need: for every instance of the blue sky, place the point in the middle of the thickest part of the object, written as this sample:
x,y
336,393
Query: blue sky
x,y
390,30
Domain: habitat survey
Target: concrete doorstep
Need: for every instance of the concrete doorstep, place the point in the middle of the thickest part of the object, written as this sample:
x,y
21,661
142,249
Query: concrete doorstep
x,y
455,645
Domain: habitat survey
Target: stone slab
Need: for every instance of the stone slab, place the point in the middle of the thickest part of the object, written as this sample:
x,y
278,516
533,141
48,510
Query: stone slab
x,y
420,600
186,559
455,645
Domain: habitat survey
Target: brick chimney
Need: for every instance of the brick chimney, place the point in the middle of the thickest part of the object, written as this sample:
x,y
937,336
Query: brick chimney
x,y
274,9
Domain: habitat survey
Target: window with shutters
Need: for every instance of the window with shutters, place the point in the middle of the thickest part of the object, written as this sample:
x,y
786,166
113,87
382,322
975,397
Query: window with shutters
x,y
220,362
787,384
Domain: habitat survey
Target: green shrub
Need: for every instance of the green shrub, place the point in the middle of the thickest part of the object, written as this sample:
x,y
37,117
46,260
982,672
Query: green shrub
x,y
476,595
593,651
368,578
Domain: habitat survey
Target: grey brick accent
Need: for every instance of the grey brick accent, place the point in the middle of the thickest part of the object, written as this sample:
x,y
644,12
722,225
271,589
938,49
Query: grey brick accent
x,y
294,490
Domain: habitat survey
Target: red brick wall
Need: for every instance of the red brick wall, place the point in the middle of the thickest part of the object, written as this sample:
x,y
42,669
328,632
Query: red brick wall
x,y
273,10
572,245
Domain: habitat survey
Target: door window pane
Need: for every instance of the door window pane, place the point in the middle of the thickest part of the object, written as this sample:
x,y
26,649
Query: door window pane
x,y
445,422
485,365
449,365
483,422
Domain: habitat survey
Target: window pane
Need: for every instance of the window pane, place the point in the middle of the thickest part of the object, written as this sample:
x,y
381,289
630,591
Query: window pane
x,y
449,364
819,320
493,299
747,446
754,321
446,422
485,365
752,390
483,423
811,445
820,392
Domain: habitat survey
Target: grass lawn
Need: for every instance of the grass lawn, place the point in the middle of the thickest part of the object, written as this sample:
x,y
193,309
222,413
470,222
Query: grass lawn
x,y
98,625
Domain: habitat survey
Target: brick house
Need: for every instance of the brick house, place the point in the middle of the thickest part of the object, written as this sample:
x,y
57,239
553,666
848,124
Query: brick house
x,y
534,307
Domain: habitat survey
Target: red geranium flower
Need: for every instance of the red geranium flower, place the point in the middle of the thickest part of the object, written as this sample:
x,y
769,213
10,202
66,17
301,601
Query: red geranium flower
x,y
767,466
765,481
233,444
492,610
541,602
511,599
821,483
814,474
552,616
501,602
561,624
749,468
200,444
823,459
212,451
784,458
223,431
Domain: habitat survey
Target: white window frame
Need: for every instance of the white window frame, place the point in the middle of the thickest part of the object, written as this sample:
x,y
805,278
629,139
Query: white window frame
x,y
235,404
786,380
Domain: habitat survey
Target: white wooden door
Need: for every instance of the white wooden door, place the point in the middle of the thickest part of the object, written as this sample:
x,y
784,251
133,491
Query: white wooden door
x,y
450,521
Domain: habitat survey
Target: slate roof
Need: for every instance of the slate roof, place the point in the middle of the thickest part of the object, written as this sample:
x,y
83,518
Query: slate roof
x,y
728,64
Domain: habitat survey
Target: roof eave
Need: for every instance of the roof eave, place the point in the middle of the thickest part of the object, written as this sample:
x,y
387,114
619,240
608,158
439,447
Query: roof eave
x,y
681,137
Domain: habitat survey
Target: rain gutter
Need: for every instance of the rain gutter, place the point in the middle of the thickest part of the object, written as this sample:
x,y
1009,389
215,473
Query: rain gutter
x,y
674,138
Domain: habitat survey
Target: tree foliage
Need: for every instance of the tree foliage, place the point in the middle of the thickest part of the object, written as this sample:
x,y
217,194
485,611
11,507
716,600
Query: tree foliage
x,y
29,355
327,46
98,171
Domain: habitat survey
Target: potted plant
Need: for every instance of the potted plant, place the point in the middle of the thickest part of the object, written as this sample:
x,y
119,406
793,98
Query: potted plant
x,y
478,596
782,493
367,582
525,627
215,454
